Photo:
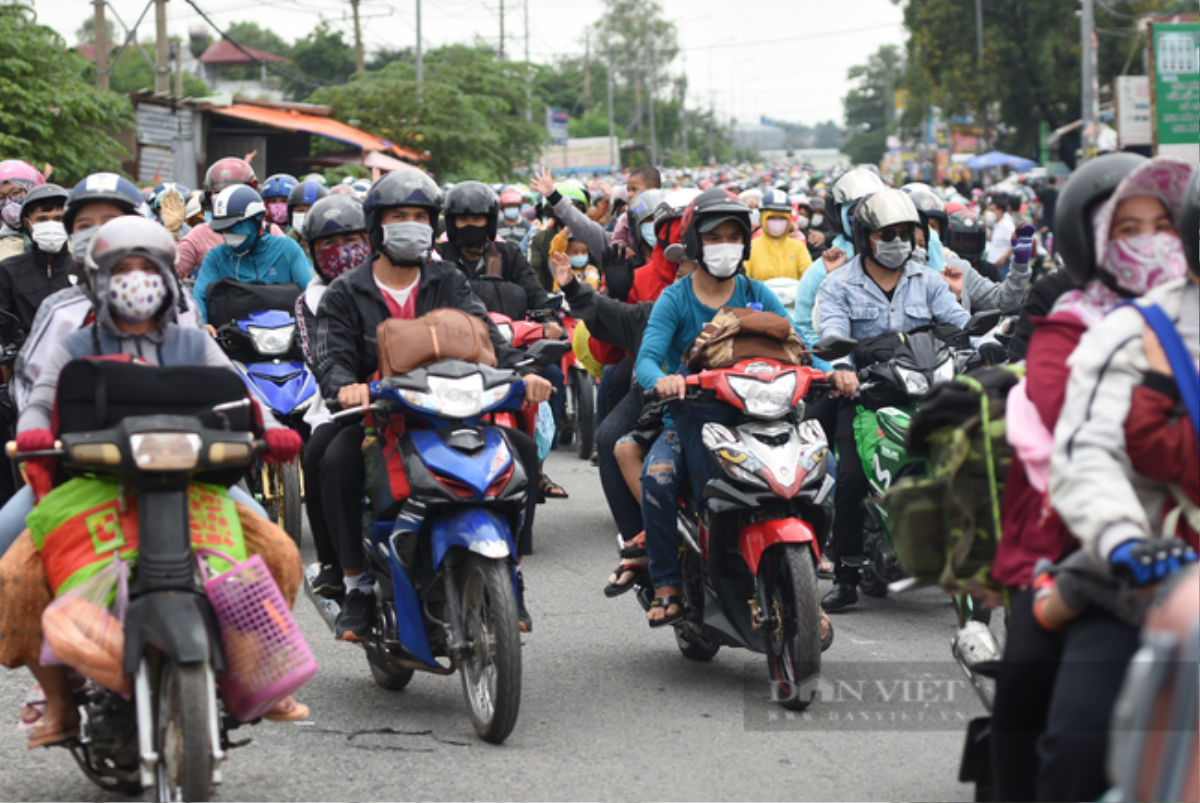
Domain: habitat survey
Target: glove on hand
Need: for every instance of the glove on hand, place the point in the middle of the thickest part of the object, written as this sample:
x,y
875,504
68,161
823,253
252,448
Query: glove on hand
x,y
39,471
1146,562
1022,244
618,273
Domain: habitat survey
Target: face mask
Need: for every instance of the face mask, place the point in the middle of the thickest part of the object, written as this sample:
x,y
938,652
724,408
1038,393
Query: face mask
x,y
802,222
1139,264
235,240
937,255
298,220
777,226
49,236
277,213
817,220
80,241
526,207
407,243
335,260
470,236
722,260
755,216
511,213
207,216
10,211
892,255
919,254
136,296
648,235
579,261
990,218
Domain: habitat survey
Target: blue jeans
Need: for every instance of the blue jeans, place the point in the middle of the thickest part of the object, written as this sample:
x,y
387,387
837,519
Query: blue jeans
x,y
12,515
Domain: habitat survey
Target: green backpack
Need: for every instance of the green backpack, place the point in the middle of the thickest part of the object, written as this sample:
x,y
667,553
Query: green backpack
x,y
945,527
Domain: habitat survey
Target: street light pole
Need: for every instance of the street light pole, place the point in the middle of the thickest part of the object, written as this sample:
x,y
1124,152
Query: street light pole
x,y
1087,23
420,54
162,71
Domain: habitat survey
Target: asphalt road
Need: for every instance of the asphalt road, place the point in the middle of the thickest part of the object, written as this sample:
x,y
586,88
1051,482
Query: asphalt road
x,y
610,709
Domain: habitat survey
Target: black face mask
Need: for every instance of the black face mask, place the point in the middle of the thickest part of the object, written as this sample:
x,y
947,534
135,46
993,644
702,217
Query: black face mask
x,y
472,237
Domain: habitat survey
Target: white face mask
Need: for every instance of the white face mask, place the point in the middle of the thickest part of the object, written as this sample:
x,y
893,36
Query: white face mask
x,y
233,239
298,220
802,222
777,226
137,295
818,220
722,260
49,236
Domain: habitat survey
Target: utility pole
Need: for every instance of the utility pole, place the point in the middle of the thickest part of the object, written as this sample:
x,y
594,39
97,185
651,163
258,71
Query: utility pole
x,y
162,71
1087,23
528,71
612,137
646,54
987,125
358,48
179,69
420,54
587,73
501,30
101,45
683,109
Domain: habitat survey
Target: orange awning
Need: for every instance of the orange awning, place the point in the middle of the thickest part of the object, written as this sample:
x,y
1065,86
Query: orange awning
x,y
291,120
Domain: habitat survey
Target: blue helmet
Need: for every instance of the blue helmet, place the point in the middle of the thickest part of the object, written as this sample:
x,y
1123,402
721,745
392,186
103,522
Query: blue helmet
x,y
279,185
104,188
306,193
235,204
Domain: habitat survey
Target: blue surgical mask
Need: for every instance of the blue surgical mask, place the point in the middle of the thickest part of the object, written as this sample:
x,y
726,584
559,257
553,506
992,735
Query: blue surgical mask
x,y
579,261
511,212
526,207
937,255
648,234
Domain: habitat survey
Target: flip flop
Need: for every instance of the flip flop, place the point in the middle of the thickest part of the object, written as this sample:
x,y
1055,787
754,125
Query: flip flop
x,y
33,709
665,603
41,735
551,489
630,569
287,710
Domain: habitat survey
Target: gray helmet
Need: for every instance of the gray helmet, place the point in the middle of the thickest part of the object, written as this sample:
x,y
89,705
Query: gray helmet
x,y
44,195
929,205
846,191
880,210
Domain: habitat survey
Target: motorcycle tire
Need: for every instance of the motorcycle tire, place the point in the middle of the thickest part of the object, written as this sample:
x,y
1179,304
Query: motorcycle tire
x,y
584,389
181,734
491,677
695,648
390,679
289,507
788,577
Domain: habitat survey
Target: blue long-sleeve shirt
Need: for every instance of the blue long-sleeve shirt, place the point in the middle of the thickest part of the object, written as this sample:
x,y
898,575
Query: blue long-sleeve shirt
x,y
806,298
678,318
272,260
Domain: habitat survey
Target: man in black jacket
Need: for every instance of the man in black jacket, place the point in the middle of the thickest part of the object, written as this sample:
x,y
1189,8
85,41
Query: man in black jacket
x,y
398,281
27,279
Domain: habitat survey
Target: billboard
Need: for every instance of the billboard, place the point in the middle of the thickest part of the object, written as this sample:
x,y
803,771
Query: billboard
x,y
556,125
1175,95
587,155
1133,110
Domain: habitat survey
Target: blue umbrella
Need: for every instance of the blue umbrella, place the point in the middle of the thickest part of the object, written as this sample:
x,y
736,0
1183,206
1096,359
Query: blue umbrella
x,y
998,159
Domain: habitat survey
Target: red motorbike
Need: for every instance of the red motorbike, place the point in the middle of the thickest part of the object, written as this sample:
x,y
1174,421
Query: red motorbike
x,y
751,547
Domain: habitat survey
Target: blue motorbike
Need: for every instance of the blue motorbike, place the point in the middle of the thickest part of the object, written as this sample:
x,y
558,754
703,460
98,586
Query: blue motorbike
x,y
446,494
264,349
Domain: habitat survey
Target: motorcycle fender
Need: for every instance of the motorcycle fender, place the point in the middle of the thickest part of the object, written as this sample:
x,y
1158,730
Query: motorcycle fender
x,y
409,619
179,623
476,530
755,539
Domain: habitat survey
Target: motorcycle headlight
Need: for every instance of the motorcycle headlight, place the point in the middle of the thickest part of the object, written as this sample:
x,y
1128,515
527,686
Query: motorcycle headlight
x,y
166,451
914,381
456,398
945,372
272,342
765,399
506,331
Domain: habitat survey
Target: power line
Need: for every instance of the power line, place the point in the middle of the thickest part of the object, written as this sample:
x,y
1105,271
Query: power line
x,y
806,36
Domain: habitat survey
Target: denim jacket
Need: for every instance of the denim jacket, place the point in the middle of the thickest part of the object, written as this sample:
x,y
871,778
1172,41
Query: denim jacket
x,y
852,305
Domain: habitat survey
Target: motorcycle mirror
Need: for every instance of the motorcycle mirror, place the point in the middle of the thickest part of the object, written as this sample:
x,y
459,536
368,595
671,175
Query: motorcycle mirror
x,y
833,347
982,322
547,352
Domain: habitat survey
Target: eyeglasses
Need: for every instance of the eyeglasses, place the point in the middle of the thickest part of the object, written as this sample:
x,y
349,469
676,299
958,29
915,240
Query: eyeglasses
x,y
887,235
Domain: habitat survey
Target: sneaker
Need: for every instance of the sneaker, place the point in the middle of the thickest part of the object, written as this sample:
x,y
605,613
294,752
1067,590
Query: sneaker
x,y
523,617
329,583
354,620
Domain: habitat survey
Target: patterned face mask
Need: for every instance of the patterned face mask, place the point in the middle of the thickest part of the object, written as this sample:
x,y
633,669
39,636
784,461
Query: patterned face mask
x,y
277,213
334,260
1141,263
136,296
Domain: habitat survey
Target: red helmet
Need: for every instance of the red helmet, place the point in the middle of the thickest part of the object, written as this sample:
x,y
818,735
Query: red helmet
x,y
510,197
226,173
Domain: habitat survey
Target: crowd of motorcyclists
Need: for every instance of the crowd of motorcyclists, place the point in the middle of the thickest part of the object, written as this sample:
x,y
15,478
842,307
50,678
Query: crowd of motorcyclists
x,y
1106,459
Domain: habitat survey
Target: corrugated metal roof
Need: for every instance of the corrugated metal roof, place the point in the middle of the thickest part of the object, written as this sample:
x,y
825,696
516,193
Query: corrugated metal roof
x,y
155,162
160,125
225,52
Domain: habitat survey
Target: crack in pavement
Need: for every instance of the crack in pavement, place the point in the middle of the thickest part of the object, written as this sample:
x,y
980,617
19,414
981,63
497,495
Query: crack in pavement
x,y
352,735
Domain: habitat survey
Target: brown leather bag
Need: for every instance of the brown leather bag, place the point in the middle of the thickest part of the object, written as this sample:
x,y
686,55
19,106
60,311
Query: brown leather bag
x,y
443,334
736,334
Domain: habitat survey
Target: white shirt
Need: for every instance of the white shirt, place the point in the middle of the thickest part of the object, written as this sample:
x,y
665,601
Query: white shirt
x,y
1001,241
399,296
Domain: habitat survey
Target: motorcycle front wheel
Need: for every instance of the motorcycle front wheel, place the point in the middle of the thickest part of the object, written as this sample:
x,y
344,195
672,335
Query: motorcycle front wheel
x,y
289,504
491,675
584,390
788,578
181,734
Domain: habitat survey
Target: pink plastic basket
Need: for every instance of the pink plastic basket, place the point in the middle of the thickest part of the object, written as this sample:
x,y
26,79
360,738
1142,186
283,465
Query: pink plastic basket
x,y
266,656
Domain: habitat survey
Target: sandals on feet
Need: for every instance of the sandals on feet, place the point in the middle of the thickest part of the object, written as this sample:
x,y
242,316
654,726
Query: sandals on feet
x,y
628,571
551,489
635,547
45,734
665,603
287,710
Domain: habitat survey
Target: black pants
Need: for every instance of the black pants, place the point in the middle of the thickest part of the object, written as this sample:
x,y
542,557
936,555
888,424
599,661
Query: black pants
x,y
1024,687
333,468
622,418
836,417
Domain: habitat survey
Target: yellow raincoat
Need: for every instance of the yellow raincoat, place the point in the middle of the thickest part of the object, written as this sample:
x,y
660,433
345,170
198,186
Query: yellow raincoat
x,y
772,257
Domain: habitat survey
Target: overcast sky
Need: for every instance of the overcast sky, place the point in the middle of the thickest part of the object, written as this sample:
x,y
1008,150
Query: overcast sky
x,y
785,59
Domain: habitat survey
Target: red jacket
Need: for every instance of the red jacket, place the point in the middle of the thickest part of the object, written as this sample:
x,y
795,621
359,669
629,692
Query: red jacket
x,y
1030,529
1161,449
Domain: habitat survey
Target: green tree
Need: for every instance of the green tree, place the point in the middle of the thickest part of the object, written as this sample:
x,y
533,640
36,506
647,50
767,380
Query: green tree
x,y
643,44
321,56
133,72
48,112
469,115
869,103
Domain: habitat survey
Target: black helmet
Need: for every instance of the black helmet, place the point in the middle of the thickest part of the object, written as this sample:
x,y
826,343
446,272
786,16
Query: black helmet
x,y
710,209
846,191
1189,221
967,236
879,210
471,198
929,205
306,193
43,195
775,200
334,214
1074,228
406,187
107,188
